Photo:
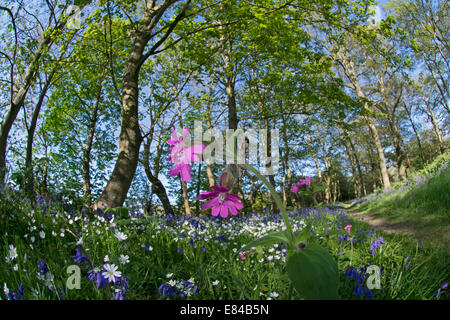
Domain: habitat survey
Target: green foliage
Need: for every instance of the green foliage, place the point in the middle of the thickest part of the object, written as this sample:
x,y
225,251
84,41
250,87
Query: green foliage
x,y
314,273
421,203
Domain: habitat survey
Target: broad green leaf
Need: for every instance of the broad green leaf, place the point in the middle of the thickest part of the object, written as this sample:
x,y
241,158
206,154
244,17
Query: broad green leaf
x,y
314,273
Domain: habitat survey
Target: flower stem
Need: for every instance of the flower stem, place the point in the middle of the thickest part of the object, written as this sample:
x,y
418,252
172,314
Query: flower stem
x,y
275,196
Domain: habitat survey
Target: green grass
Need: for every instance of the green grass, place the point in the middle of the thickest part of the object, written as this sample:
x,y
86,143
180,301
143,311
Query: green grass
x,y
409,271
421,204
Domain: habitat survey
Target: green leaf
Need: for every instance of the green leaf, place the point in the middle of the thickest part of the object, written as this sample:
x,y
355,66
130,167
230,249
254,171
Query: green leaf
x,y
314,273
319,188
303,235
123,222
269,239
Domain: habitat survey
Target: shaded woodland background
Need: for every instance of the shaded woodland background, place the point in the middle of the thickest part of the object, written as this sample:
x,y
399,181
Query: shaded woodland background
x,y
86,111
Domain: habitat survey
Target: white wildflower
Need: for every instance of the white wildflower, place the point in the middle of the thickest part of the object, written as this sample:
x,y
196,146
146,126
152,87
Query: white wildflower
x,y
111,272
124,259
120,235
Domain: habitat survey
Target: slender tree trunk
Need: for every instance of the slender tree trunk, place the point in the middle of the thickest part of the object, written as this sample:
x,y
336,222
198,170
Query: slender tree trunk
x,y
157,186
328,181
314,155
413,126
31,131
399,151
86,170
350,71
358,167
357,187
230,82
382,160
17,102
437,131
274,206
287,175
209,171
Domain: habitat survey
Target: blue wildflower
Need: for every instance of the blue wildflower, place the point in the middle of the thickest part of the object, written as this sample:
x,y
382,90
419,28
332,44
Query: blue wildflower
x,y
376,244
350,273
80,258
42,267
444,286
20,290
358,290
369,294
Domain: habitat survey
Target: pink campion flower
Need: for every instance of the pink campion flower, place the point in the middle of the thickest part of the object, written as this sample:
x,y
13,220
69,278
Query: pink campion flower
x,y
242,255
222,201
348,228
182,157
305,181
294,188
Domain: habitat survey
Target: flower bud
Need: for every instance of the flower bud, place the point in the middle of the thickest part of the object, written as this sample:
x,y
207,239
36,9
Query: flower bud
x,y
229,176
302,245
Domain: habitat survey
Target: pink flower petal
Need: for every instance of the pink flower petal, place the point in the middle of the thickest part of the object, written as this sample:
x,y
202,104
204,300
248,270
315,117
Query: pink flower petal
x,y
175,170
224,210
215,211
211,203
219,189
207,194
233,197
185,172
233,210
238,205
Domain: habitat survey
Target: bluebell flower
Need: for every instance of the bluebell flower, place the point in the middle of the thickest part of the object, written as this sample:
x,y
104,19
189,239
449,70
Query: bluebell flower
x,y
195,289
358,290
444,286
20,290
101,281
80,258
42,267
12,295
203,248
61,293
120,295
191,242
376,244
369,294
351,273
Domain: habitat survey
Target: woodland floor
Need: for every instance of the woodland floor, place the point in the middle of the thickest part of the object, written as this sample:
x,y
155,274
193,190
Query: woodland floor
x,y
417,231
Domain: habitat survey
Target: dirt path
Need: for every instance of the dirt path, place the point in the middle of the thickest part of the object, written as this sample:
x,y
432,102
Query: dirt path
x,y
390,227
417,233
